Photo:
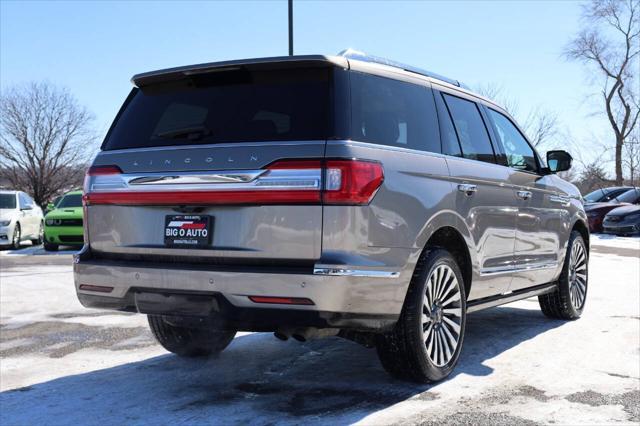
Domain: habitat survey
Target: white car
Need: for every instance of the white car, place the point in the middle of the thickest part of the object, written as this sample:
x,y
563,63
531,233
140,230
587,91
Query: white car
x,y
20,219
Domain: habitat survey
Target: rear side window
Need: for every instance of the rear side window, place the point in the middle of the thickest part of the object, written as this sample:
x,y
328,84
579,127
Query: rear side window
x,y
394,113
227,106
450,144
470,129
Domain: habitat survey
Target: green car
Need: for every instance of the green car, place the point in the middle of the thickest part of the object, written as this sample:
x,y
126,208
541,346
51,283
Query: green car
x,y
63,224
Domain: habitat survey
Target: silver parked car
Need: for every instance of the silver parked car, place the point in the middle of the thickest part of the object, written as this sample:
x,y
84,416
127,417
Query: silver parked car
x,y
315,196
20,219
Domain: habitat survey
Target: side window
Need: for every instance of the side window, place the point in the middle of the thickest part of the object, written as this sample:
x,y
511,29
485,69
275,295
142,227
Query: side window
x,y
520,155
450,144
391,112
470,128
25,202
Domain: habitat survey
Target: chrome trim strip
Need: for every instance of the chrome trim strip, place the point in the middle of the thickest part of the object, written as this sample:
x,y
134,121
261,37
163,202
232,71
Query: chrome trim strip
x,y
342,272
257,180
511,269
559,199
197,178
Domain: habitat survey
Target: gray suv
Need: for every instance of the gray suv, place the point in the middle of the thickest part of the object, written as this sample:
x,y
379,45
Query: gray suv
x,y
315,196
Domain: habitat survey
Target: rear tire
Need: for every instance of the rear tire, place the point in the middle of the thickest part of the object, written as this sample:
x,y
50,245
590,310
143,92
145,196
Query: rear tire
x,y
568,300
189,341
426,342
50,246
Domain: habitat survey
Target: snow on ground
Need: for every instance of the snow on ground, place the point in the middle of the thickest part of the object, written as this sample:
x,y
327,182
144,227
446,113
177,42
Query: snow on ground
x,y
63,364
609,240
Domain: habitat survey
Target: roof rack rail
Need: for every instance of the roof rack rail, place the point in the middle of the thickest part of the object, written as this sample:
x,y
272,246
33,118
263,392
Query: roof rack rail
x,y
361,56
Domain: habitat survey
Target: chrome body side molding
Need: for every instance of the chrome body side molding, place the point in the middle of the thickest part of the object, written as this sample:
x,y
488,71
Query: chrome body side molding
x,y
341,272
515,268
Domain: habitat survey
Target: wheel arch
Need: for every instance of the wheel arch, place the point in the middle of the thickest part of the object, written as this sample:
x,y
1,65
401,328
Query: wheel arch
x,y
580,226
448,230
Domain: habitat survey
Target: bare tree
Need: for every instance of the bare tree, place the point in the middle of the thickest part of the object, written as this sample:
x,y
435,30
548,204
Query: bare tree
x,y
540,125
593,176
631,159
610,43
45,139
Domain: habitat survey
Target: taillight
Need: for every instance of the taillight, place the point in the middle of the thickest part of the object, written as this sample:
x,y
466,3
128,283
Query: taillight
x,y
98,171
351,181
344,182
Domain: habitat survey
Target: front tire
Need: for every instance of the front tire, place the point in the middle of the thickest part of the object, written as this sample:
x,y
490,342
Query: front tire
x,y
568,300
189,341
17,237
426,342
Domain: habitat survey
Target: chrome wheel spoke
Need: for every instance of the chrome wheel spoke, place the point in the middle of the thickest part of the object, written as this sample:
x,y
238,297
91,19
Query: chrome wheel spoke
x,y
456,312
445,344
454,325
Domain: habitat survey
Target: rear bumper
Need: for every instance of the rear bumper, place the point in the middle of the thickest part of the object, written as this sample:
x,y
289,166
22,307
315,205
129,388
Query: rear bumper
x,y
344,299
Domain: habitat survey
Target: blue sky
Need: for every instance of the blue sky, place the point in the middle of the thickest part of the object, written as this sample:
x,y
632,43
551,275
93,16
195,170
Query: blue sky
x,y
94,47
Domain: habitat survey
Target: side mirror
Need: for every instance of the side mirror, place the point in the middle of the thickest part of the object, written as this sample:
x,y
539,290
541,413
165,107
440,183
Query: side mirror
x,y
558,161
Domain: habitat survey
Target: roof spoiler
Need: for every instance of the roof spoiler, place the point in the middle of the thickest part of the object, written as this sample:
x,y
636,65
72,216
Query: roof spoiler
x,y
169,74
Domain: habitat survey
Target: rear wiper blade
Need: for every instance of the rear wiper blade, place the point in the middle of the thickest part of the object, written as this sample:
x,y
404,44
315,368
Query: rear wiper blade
x,y
193,132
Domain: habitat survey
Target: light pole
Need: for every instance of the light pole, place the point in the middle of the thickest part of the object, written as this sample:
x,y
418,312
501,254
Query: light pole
x,y
290,27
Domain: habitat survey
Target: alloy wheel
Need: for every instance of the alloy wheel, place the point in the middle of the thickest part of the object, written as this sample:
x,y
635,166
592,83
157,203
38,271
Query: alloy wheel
x,y
578,275
441,315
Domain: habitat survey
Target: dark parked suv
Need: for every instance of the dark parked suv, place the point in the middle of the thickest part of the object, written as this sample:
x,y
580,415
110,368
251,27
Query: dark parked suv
x,y
316,196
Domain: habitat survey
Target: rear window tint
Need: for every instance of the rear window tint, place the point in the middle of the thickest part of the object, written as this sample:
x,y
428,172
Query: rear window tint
x,y
228,106
470,128
391,112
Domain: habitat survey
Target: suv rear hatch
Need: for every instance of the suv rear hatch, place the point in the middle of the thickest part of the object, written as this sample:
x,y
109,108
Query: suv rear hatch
x,y
219,165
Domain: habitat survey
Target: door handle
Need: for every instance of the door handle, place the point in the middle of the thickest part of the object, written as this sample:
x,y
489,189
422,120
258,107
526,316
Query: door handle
x,y
558,199
525,195
467,188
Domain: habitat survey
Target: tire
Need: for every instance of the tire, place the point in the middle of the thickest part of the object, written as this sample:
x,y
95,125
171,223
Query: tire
x,y
410,350
17,235
568,300
50,247
189,341
40,238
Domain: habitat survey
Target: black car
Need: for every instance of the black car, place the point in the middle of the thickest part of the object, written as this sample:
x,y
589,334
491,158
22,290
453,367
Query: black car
x,y
622,220
603,195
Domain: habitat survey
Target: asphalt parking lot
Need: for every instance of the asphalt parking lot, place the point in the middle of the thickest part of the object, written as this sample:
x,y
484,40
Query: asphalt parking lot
x,y
63,364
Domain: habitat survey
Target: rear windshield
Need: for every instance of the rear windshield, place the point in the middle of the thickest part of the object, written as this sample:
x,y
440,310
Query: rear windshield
x,y
7,201
227,106
73,200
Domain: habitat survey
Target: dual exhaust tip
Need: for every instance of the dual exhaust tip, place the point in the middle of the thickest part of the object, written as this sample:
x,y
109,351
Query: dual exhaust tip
x,y
305,334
